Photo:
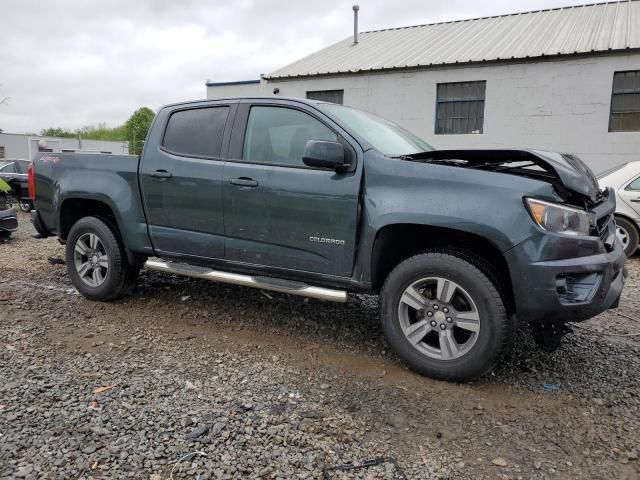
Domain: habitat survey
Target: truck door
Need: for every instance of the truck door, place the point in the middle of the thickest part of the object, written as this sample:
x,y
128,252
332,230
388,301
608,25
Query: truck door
x,y
279,212
181,180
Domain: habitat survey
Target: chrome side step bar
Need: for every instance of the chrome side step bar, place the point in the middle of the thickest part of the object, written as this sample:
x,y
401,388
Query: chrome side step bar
x,y
265,283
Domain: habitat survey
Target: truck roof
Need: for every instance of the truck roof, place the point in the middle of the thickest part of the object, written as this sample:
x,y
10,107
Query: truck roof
x,y
252,97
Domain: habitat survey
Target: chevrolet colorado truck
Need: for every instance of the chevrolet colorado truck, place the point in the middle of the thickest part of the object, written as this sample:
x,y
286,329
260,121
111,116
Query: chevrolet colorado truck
x,y
318,199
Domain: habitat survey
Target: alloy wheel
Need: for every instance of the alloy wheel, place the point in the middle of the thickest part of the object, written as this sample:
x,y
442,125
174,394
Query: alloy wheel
x,y
91,259
439,318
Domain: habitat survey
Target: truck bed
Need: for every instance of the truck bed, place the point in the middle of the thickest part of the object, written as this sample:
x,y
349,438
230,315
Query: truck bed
x,y
66,180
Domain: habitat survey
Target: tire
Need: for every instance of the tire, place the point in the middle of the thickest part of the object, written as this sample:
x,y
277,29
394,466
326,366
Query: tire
x,y
108,275
474,321
628,234
26,205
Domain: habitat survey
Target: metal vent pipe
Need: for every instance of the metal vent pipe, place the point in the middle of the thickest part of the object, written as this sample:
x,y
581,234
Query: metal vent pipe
x,y
355,24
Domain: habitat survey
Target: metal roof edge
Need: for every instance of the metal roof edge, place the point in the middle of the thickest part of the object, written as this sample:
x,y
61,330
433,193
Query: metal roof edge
x,y
513,14
237,82
527,59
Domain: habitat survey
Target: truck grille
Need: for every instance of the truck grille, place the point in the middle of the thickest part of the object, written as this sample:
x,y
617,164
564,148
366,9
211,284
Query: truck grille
x,y
606,231
605,224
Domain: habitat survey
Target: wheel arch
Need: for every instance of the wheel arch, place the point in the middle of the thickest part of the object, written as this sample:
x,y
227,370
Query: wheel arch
x,y
73,209
395,243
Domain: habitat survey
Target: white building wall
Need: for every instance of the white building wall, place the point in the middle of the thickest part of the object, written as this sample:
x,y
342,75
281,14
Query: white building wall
x,y
560,105
227,90
20,146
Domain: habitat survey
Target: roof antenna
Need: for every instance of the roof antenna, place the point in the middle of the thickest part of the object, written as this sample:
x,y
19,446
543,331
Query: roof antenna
x,y
355,24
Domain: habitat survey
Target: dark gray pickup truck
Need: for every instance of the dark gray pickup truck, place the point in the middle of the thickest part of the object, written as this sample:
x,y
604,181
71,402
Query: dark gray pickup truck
x,y
317,199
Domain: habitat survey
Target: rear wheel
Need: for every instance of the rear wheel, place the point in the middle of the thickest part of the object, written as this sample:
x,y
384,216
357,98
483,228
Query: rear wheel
x,y
444,317
26,205
97,262
627,234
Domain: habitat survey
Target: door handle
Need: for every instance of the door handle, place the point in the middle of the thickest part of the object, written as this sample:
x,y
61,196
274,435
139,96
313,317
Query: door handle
x,y
243,182
161,174
637,200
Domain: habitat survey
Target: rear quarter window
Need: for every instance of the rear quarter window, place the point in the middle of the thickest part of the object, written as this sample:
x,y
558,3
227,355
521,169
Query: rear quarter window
x,y
196,132
635,185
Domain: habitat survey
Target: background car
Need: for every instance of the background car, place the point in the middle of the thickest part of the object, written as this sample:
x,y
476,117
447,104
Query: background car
x,y
625,180
8,219
14,172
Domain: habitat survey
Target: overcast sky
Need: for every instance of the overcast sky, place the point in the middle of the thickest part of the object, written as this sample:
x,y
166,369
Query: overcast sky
x,y
76,63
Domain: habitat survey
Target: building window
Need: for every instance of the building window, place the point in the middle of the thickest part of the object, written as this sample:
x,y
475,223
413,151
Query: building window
x,y
460,108
1,152
625,102
331,96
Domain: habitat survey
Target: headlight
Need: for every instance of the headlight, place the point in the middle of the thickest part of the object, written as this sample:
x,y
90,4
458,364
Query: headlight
x,y
558,218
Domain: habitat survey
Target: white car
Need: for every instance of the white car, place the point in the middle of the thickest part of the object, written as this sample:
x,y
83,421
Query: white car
x,y
625,180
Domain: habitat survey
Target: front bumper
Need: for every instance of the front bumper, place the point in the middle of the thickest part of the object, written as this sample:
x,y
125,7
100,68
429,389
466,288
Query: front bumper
x,y
8,220
549,288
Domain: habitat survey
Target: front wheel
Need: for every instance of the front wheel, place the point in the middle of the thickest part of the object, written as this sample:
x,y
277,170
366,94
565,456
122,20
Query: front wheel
x,y
96,260
444,317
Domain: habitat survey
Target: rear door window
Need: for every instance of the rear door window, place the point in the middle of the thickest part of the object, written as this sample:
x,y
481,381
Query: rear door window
x,y
278,135
196,132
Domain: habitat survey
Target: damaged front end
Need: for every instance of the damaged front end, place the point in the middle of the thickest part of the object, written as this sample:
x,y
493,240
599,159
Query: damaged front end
x,y
571,268
570,177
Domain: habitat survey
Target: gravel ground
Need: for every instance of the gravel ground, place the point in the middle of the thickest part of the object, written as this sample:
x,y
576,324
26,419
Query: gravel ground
x,y
188,379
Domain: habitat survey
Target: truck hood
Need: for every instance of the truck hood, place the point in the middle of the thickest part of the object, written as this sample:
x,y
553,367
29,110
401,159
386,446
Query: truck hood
x,y
573,172
565,171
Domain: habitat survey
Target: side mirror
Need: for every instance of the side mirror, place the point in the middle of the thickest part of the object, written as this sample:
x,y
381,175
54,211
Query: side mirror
x,y
322,154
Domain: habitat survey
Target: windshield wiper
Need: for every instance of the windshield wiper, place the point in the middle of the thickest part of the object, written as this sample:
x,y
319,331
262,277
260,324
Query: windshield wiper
x,y
503,166
400,157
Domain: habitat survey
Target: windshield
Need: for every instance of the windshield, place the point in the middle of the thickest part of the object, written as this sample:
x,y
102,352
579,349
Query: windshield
x,y
386,137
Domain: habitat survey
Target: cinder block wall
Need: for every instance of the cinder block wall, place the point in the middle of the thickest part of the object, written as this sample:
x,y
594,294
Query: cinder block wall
x,y
238,90
560,105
